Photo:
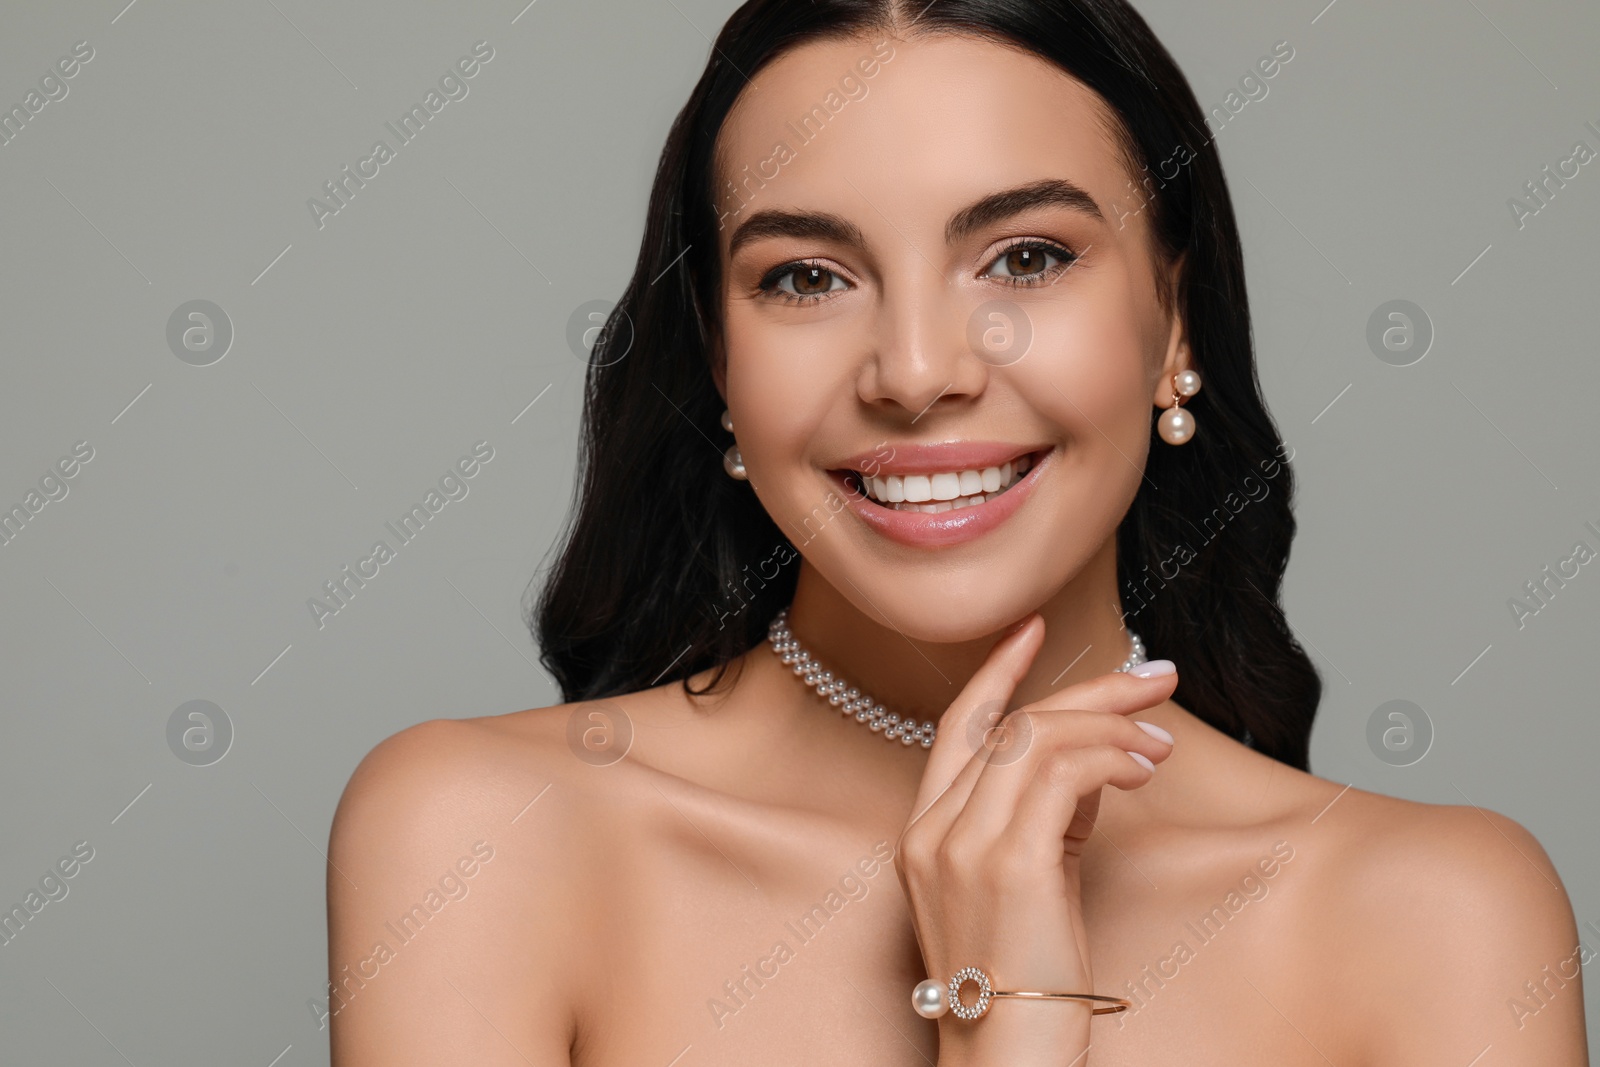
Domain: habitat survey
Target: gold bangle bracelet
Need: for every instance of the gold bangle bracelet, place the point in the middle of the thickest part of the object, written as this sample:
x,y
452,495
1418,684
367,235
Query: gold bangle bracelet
x,y
932,998
1118,1003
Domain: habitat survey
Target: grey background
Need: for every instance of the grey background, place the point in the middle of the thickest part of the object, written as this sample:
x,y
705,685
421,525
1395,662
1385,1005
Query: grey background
x,y
370,354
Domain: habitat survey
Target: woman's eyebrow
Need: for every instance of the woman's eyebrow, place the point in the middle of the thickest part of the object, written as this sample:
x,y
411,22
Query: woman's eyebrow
x,y
1047,192
812,225
821,226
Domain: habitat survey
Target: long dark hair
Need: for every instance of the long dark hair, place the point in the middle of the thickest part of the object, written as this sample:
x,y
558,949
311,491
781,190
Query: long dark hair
x,y
668,568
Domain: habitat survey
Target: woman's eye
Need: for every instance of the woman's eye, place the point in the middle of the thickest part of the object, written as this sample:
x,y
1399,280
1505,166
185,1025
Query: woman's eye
x,y
1028,263
801,282
1024,263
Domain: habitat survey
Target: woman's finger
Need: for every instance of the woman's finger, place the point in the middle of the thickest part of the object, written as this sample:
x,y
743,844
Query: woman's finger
x,y
990,687
992,804
1053,799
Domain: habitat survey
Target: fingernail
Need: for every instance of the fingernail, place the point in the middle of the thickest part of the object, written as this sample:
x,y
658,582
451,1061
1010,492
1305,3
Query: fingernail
x,y
1153,668
1142,761
1154,731
1019,624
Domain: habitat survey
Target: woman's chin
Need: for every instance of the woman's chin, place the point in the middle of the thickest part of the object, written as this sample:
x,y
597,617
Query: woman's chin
x,y
944,619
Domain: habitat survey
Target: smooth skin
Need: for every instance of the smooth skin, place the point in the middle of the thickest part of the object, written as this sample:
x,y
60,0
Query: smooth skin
x,y
758,880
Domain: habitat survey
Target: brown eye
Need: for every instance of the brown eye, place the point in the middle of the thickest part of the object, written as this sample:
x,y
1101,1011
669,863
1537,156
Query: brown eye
x,y
1029,263
812,281
1021,261
802,282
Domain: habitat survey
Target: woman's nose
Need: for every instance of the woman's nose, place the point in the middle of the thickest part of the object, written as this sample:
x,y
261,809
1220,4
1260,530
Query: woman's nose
x,y
920,353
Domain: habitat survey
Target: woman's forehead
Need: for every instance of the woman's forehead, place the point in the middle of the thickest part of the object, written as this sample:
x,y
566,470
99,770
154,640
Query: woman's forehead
x,y
931,119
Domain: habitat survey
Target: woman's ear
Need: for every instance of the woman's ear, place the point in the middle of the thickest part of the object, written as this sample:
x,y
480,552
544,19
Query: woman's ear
x,y
1178,354
719,370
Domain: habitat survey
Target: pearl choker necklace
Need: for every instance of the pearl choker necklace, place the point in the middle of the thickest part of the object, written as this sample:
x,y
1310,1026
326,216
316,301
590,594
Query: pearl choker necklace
x,y
852,701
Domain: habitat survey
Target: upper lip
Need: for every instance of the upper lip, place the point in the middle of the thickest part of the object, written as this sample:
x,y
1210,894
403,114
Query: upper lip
x,y
935,458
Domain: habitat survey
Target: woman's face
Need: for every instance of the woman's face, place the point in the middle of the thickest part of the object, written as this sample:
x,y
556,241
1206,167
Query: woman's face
x,y
947,296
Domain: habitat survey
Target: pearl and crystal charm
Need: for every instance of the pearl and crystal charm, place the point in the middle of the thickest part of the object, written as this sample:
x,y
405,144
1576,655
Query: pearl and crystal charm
x,y
851,701
932,1000
980,1007
928,999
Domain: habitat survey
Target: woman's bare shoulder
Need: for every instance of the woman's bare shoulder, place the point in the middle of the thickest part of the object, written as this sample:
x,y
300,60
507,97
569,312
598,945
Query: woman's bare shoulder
x,y
443,777
1436,916
1442,863
1422,866
470,861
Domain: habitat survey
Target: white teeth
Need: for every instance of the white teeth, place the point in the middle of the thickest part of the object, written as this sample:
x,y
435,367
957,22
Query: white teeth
x,y
947,490
944,505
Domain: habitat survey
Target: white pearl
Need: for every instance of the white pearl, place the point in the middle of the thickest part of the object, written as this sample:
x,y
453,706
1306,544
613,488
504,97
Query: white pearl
x,y
1176,426
1187,382
733,463
928,999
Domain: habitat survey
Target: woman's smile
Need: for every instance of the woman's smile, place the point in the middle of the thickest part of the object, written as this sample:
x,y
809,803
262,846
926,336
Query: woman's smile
x,y
936,495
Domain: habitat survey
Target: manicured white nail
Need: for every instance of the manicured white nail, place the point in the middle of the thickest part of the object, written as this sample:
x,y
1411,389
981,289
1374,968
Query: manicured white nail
x,y
1142,761
1154,731
1153,668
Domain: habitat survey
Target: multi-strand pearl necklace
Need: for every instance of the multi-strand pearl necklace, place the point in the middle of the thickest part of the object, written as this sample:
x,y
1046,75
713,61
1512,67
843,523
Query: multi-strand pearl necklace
x,y
852,701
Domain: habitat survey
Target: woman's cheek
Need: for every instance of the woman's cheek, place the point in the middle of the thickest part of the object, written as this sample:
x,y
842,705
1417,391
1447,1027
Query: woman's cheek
x,y
1086,373
784,381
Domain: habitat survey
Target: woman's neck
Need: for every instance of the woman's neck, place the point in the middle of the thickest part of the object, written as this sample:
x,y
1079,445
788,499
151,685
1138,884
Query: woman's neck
x,y
1084,637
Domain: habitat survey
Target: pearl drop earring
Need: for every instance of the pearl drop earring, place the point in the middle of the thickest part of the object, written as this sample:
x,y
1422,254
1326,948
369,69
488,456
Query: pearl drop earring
x,y
732,461
1177,425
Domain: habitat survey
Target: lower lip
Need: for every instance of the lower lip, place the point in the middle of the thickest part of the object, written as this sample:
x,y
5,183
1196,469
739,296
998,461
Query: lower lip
x,y
956,526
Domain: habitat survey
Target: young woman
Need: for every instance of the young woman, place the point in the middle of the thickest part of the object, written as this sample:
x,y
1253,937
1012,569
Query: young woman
x,y
933,387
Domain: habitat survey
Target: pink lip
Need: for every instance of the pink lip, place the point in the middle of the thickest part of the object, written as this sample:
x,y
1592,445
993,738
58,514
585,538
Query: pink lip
x,y
890,458
921,530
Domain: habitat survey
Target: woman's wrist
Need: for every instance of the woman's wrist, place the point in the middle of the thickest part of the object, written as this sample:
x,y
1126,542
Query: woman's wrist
x,y
1018,1034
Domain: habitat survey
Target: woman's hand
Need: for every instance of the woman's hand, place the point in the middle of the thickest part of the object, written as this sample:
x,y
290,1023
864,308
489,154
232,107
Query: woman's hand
x,y
990,858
